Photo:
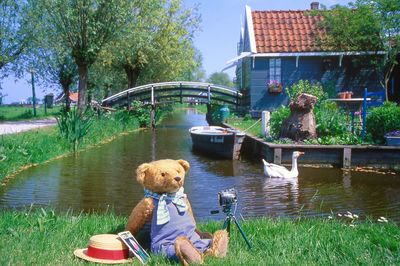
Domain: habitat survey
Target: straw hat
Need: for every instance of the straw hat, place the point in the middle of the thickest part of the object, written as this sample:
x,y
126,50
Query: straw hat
x,y
106,248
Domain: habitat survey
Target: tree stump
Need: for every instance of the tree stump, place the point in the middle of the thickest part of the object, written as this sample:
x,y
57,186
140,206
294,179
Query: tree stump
x,y
300,124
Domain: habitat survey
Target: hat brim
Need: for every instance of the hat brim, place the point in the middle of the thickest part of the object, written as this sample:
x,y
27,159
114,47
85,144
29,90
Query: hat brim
x,y
82,253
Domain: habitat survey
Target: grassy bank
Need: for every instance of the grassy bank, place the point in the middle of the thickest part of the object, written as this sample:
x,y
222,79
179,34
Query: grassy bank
x,y
44,238
15,113
18,151
250,126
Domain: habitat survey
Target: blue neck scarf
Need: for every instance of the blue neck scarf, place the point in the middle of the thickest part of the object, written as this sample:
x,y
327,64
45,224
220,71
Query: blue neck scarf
x,y
178,198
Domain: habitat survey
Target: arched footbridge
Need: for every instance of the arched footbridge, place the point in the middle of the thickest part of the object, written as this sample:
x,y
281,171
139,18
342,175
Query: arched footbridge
x,y
177,91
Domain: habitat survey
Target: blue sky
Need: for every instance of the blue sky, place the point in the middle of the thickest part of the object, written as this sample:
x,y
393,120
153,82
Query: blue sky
x,y
220,28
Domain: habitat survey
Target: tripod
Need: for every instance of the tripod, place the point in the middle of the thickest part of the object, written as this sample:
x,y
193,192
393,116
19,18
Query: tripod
x,y
230,215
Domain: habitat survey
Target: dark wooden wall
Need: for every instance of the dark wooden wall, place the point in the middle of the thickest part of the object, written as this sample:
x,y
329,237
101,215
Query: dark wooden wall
x,y
351,76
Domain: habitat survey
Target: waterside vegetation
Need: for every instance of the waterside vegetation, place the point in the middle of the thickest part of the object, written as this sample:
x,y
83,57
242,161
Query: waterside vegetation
x,y
43,237
19,151
333,124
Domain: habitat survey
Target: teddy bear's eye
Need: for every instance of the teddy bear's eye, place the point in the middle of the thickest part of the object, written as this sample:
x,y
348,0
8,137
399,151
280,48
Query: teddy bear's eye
x,y
163,174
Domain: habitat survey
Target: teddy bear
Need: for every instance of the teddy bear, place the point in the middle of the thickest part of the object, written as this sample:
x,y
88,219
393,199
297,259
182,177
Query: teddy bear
x,y
166,207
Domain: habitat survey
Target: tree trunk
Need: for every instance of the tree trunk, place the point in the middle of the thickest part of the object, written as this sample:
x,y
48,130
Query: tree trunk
x,y
66,93
132,74
388,74
82,88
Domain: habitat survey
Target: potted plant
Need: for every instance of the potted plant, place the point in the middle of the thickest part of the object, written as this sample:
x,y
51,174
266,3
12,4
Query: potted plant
x,y
393,138
274,86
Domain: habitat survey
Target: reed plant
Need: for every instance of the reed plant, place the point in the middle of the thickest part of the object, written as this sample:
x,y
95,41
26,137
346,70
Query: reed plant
x,y
43,237
73,126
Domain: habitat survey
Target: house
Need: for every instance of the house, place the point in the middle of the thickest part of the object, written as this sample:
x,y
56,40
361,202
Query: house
x,y
282,46
73,97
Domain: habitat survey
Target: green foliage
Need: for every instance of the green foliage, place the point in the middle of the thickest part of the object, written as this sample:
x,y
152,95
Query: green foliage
x,y
247,117
304,86
73,126
13,38
276,120
83,27
141,112
370,25
331,125
124,117
360,33
156,44
290,242
220,78
383,119
330,120
215,114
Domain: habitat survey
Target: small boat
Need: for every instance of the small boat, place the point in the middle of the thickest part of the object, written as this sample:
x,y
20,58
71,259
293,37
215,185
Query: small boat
x,y
217,141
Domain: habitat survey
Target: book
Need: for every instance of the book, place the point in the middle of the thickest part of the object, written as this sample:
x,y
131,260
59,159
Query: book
x,y
134,246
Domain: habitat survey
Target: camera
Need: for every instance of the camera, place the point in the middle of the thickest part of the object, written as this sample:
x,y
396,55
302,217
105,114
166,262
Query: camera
x,y
227,197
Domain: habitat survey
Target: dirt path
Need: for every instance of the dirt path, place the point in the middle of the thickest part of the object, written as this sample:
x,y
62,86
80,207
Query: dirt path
x,y
19,126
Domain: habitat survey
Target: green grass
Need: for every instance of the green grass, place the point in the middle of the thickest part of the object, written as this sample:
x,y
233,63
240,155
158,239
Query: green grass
x,y
39,145
250,126
42,237
14,113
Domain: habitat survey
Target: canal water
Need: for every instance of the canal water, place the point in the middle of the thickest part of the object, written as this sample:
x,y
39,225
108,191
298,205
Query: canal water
x,y
103,178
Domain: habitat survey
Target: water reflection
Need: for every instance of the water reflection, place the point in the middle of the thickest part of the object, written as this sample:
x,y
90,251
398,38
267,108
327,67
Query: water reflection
x,y
104,177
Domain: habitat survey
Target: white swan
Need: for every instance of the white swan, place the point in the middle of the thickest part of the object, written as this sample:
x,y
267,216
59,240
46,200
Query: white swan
x,y
274,170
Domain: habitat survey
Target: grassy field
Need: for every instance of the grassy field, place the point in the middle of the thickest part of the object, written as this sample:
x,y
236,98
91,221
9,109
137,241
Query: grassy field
x,y
14,113
42,237
37,146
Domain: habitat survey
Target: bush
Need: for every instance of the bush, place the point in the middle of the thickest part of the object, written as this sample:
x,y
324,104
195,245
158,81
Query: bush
x,y
331,125
330,120
276,120
124,117
382,120
304,86
141,112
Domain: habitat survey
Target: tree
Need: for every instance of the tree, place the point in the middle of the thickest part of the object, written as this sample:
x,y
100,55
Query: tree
x,y
13,40
366,25
51,59
220,78
84,27
157,44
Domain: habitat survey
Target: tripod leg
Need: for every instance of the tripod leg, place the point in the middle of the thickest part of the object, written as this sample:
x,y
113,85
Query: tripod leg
x,y
242,232
227,224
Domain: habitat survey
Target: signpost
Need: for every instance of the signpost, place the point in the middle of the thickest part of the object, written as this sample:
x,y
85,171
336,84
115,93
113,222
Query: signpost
x,y
33,91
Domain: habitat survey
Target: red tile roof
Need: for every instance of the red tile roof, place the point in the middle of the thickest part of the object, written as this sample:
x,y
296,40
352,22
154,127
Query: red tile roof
x,y
286,31
73,96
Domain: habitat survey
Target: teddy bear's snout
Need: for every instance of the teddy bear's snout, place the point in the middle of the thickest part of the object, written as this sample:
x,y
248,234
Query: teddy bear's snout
x,y
177,179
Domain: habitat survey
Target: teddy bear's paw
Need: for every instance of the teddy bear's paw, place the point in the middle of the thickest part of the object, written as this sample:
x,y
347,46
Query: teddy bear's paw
x,y
187,253
220,242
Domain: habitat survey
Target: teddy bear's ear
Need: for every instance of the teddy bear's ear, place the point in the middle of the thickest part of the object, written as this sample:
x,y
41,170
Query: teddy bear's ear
x,y
184,164
141,172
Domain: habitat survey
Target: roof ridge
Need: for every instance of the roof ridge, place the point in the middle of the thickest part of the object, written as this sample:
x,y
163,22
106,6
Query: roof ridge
x,y
286,10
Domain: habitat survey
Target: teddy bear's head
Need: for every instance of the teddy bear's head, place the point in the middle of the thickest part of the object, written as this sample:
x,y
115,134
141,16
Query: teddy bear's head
x,y
163,176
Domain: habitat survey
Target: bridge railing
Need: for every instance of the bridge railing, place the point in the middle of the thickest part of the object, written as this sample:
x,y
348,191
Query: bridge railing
x,y
176,86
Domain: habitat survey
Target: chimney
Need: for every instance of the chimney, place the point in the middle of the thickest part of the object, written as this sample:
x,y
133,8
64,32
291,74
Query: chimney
x,y
314,5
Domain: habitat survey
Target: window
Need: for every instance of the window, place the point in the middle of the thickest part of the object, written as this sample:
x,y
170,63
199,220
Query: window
x,y
275,69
